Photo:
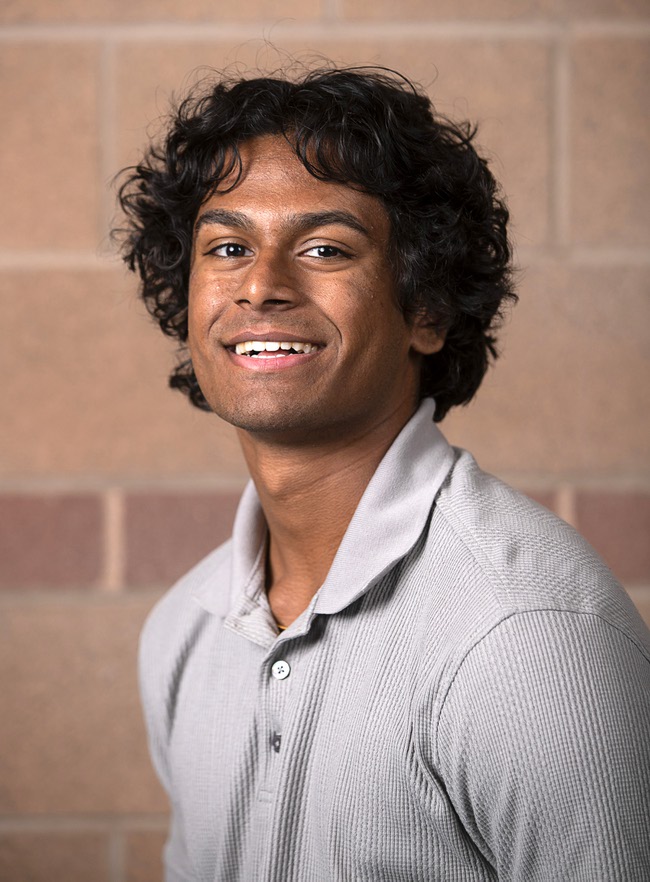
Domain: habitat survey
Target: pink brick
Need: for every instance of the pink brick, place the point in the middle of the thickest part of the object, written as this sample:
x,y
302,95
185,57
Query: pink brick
x,y
618,526
50,541
168,533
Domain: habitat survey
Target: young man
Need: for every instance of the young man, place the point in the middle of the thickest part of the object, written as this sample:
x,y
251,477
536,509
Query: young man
x,y
398,668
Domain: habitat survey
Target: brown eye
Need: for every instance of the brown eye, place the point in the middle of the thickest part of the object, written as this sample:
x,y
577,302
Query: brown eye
x,y
326,251
229,249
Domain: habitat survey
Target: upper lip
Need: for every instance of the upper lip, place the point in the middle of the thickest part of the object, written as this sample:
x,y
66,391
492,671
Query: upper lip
x,y
269,336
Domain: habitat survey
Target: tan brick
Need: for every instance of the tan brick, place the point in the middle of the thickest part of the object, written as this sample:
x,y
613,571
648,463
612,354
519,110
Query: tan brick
x,y
503,85
23,11
50,541
70,722
406,10
49,146
53,857
570,395
91,394
505,88
610,142
618,526
149,74
144,856
166,534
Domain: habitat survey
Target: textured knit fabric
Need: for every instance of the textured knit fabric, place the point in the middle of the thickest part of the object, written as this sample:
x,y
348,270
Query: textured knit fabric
x,y
466,698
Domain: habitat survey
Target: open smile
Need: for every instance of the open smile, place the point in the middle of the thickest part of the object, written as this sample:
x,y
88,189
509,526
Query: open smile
x,y
272,355
273,348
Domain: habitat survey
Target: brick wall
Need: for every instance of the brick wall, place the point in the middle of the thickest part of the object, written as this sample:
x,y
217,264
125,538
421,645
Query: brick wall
x,y
111,486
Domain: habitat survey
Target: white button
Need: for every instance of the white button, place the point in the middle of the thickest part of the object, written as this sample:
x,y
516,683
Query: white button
x,y
281,670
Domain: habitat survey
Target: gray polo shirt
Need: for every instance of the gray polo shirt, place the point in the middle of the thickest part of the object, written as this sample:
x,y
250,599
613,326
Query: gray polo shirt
x,y
466,698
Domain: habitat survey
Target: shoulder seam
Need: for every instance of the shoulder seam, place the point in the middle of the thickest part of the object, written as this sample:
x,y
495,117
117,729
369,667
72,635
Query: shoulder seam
x,y
527,612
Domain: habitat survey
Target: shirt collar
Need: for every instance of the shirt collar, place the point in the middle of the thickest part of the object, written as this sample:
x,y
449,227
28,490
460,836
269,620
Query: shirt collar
x,y
392,512
386,524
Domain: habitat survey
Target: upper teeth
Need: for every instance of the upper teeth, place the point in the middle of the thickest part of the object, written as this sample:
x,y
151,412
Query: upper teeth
x,y
272,346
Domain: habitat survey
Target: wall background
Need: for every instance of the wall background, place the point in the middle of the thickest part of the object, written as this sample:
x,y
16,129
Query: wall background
x,y
111,485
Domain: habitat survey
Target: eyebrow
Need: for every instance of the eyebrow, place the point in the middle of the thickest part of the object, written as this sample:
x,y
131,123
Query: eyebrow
x,y
298,223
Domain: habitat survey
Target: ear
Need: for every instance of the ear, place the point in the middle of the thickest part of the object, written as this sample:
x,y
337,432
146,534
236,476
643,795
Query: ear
x,y
426,336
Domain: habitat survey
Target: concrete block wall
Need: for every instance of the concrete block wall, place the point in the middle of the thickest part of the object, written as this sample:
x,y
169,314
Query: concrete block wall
x,y
111,485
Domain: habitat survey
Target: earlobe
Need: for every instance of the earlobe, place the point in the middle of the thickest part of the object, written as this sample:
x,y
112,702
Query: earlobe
x,y
426,336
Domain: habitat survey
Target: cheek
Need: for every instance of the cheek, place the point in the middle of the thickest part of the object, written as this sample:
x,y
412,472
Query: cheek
x,y
367,307
205,305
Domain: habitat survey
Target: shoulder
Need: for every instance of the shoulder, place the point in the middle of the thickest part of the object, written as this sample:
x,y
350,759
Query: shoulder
x,y
495,565
545,683
521,556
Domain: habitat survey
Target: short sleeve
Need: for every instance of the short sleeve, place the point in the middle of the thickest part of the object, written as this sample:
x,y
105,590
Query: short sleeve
x,y
153,691
543,744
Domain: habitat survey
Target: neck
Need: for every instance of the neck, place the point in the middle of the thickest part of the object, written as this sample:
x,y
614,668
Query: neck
x,y
309,494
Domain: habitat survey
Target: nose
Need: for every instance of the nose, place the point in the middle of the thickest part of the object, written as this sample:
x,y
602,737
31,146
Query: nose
x,y
268,285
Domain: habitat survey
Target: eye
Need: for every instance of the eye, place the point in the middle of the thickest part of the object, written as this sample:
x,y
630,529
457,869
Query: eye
x,y
229,249
326,251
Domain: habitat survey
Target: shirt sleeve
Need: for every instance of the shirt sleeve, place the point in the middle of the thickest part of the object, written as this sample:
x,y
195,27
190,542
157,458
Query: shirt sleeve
x,y
543,744
154,692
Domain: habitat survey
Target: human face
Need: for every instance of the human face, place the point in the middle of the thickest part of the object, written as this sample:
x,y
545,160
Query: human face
x,y
285,258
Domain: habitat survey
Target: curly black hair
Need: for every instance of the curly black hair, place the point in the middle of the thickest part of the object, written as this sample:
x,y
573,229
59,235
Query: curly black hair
x,y
369,128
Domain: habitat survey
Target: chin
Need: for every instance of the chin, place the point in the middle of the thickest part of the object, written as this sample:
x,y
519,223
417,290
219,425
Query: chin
x,y
269,420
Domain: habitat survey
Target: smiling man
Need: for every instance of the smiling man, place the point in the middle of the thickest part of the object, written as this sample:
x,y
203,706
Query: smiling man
x,y
398,668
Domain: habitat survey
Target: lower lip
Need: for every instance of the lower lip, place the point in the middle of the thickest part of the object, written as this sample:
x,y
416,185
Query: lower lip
x,y
266,363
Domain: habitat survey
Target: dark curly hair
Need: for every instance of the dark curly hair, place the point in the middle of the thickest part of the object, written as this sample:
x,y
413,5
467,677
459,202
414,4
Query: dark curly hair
x,y
365,127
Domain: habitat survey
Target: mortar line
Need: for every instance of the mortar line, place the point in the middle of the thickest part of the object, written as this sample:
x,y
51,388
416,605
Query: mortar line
x,y
116,856
561,184
587,256
43,597
107,135
332,11
338,28
84,824
51,259
208,484
630,30
114,541
565,503
209,31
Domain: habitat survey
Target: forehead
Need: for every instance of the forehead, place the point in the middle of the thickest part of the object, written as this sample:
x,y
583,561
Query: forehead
x,y
273,179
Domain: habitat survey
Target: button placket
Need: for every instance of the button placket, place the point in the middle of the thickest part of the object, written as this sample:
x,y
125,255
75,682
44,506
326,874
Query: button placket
x,y
276,695
280,670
